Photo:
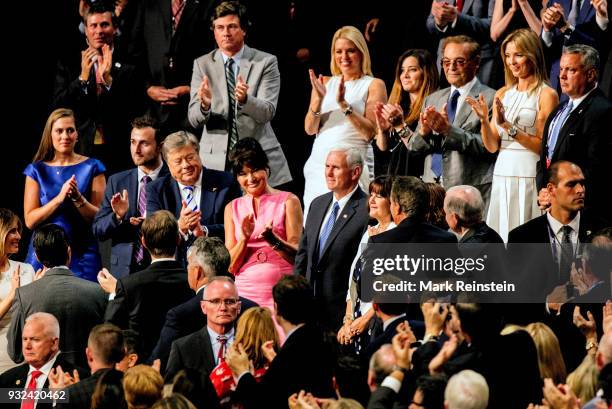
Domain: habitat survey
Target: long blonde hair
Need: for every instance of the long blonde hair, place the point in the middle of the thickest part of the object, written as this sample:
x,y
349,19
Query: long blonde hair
x,y
528,43
353,34
7,220
550,359
254,328
583,381
45,148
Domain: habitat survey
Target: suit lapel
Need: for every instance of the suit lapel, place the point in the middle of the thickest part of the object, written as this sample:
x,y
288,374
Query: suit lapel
x,y
219,82
569,124
132,188
245,63
316,215
206,348
344,217
208,196
178,199
21,376
188,13
165,8
466,5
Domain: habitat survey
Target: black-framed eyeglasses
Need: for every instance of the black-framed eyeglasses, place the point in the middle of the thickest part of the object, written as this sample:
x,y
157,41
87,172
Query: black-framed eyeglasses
x,y
228,302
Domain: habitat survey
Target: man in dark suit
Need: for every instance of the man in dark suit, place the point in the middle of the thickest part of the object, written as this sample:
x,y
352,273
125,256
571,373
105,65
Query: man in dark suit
x,y
206,258
464,209
563,228
41,351
77,304
194,194
167,36
103,89
564,25
305,361
104,350
578,130
142,300
202,350
124,206
335,224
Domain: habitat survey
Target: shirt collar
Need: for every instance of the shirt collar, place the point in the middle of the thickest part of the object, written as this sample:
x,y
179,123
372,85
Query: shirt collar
x,y
236,57
344,200
465,89
577,101
153,175
292,331
213,335
157,260
556,225
46,368
198,184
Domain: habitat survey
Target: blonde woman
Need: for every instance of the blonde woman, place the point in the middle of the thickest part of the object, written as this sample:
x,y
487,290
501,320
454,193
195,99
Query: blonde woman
x,y
550,359
520,111
341,110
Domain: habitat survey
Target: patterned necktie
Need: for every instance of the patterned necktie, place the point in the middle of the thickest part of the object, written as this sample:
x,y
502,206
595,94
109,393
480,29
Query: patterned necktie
x,y
451,110
559,120
329,225
189,198
573,14
221,355
567,254
177,12
29,403
142,210
232,130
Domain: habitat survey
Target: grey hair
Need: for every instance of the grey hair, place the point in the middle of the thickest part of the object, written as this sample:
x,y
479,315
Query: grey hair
x,y
177,140
353,155
382,363
466,202
52,327
588,55
211,254
467,390
411,195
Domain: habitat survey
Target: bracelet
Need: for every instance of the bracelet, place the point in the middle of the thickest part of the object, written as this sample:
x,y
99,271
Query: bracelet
x,y
315,113
79,204
277,244
347,318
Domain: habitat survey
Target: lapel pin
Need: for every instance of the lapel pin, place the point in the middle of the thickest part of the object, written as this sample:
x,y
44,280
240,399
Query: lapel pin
x,y
344,216
118,65
214,189
18,382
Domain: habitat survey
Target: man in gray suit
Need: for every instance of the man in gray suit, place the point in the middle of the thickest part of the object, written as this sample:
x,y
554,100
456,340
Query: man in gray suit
x,y
77,304
234,91
448,129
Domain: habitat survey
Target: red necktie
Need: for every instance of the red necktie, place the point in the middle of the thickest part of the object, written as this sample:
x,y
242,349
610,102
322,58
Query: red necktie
x,y
223,341
459,5
177,12
29,403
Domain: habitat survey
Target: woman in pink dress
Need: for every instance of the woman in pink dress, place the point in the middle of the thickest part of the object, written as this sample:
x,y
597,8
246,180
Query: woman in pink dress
x,y
262,228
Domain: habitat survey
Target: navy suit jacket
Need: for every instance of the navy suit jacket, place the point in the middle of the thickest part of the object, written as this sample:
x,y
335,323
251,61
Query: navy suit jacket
x,y
124,235
584,139
329,272
218,189
183,320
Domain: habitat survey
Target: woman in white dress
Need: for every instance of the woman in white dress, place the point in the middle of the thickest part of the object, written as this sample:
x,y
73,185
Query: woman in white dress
x,y
341,111
519,115
12,275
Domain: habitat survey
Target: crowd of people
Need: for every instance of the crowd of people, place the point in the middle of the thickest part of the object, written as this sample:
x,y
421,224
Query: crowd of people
x,y
174,255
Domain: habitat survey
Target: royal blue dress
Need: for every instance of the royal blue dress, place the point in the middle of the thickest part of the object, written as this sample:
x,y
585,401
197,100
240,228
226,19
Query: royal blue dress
x,y
85,261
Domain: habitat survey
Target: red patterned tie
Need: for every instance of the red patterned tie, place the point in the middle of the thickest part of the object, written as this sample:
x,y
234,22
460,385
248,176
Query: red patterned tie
x,y
459,6
29,403
177,12
223,341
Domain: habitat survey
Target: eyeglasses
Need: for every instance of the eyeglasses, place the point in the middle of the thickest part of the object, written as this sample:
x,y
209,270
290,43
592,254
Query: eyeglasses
x,y
228,302
460,62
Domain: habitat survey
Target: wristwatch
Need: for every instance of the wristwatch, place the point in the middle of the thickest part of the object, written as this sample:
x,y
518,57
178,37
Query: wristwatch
x,y
591,344
347,111
512,131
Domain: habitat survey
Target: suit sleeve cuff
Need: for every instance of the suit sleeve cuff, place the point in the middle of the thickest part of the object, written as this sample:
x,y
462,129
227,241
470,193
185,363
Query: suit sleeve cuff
x,y
392,383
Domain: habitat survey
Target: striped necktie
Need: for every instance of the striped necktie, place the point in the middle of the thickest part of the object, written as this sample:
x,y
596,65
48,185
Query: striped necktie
x,y
142,210
189,198
232,129
329,225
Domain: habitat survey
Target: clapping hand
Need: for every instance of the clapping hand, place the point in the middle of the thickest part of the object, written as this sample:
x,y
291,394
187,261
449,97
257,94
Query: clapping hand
x,y
188,219
318,87
15,278
448,349
607,317
237,359
120,204
241,90
500,112
68,188
267,349
58,379
105,63
247,226
479,106
205,94
559,397
107,281
587,327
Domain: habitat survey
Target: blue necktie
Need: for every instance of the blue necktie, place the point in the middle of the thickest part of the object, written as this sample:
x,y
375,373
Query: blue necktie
x,y
558,123
451,109
189,198
329,225
232,129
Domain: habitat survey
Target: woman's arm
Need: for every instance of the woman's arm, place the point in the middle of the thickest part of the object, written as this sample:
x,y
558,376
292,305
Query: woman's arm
x,y
548,102
534,22
235,247
88,209
7,302
366,124
488,132
313,116
500,21
34,213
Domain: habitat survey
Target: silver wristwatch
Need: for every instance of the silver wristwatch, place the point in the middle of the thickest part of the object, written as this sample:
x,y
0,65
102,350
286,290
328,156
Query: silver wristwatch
x,y
512,131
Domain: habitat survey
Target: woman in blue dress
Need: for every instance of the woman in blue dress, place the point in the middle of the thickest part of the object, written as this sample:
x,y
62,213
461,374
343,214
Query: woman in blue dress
x,y
65,188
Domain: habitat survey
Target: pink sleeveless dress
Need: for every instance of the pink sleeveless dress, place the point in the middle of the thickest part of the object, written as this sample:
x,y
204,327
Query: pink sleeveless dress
x,y
262,266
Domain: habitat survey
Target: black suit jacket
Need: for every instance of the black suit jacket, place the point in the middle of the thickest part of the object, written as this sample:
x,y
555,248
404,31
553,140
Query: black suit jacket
x,y
79,394
123,234
183,320
16,378
481,233
192,352
305,361
111,110
328,272
584,140
143,299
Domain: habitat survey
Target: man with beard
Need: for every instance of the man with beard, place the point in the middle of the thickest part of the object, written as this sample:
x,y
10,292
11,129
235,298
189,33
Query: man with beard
x,y
124,206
